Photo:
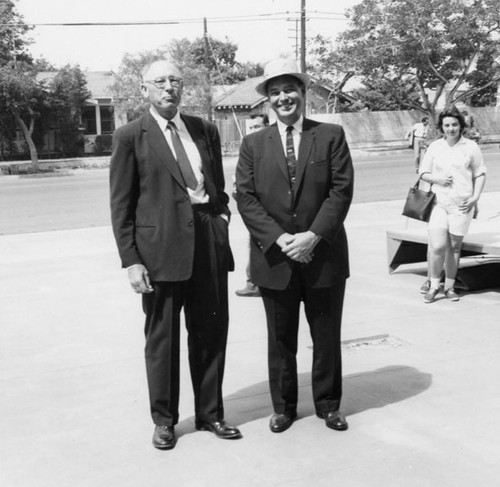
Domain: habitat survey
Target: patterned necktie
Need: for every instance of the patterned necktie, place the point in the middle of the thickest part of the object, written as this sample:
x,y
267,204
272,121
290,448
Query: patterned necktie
x,y
290,154
182,158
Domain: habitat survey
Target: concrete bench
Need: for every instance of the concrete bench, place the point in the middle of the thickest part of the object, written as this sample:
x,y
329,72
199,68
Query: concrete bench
x,y
409,245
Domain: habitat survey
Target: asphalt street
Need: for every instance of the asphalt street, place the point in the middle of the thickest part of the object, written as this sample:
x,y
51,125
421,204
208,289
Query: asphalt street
x,y
79,198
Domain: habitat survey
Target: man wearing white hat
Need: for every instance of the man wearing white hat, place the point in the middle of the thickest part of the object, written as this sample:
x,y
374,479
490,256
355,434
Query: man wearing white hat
x,y
295,183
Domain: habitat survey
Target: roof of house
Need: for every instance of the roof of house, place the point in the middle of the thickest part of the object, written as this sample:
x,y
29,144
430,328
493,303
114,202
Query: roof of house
x,y
241,95
244,95
98,82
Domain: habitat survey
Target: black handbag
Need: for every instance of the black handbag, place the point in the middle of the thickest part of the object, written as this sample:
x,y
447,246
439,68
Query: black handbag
x,y
418,204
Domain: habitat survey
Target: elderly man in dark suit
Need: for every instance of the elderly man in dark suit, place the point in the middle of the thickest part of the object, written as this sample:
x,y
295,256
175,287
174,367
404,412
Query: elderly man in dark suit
x,y
295,183
170,220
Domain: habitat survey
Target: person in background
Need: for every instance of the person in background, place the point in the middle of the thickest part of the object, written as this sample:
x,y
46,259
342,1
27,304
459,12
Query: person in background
x,y
471,131
455,168
257,122
295,186
417,136
469,121
170,219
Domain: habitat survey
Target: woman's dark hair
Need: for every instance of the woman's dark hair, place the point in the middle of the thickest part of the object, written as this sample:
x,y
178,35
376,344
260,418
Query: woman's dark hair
x,y
452,112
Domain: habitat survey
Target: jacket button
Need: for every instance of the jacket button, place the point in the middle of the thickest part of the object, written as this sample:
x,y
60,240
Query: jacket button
x,y
190,223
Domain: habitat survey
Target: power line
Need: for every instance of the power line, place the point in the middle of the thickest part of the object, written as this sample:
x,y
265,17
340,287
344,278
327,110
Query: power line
x,y
277,16
325,18
138,23
327,13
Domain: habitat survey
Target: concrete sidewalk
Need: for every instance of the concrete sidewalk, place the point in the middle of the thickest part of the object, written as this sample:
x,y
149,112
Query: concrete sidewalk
x,y
421,388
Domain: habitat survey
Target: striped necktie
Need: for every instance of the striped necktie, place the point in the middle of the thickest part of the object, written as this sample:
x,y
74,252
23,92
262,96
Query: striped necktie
x,y
290,154
182,158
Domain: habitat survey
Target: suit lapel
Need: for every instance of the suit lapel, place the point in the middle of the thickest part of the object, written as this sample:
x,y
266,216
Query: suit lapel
x,y
277,152
305,146
160,147
196,132
195,128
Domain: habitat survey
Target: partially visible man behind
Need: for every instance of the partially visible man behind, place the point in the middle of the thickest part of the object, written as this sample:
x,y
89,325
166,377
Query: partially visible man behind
x,y
417,136
295,186
257,122
170,220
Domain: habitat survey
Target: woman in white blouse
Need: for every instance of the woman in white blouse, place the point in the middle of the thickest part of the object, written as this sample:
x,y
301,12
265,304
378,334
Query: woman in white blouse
x,y
455,168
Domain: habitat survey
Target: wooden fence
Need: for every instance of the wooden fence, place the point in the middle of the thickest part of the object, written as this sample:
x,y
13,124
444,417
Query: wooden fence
x,y
371,129
230,134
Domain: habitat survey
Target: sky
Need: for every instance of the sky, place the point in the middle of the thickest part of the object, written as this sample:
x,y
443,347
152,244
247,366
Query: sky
x,y
101,48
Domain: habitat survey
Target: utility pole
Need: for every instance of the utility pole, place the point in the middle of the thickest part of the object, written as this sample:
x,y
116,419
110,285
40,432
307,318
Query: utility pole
x,y
205,39
295,38
303,36
207,67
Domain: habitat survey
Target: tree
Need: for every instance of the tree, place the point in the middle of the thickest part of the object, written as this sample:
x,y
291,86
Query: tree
x,y
434,44
374,95
126,89
324,67
13,34
198,79
382,96
67,92
7,134
222,64
21,95
487,68
324,63
197,94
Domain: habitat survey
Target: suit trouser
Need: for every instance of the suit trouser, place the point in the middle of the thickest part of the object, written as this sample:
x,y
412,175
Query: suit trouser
x,y
323,309
205,302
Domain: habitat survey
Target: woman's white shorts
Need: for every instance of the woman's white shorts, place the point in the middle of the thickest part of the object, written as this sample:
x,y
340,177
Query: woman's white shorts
x,y
449,217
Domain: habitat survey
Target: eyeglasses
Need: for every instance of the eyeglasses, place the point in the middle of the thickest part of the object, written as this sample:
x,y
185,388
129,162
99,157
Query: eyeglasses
x,y
162,82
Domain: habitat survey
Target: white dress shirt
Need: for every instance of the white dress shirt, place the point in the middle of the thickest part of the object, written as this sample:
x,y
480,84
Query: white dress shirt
x,y
420,130
199,194
296,133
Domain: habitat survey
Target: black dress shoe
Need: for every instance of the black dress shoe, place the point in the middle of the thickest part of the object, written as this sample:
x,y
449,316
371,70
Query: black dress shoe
x,y
334,420
164,437
219,429
280,422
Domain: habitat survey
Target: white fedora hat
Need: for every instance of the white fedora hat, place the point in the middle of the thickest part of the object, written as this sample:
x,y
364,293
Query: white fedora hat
x,y
281,67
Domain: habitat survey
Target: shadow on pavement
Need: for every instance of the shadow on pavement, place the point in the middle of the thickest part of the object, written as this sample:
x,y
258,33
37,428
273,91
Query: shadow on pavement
x,y
362,392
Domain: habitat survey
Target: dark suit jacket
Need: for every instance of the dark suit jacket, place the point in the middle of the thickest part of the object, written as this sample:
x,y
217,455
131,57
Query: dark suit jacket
x,y
151,212
319,202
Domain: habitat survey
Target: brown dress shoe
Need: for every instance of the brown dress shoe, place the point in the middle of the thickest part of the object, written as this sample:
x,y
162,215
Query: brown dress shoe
x,y
280,422
164,437
334,420
219,429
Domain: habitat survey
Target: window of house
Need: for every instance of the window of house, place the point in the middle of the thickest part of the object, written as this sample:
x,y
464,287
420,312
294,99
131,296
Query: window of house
x,y
107,119
89,120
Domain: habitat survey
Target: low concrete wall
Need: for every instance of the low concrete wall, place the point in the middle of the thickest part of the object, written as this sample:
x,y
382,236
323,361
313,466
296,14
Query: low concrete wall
x,y
372,129
54,165
487,120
